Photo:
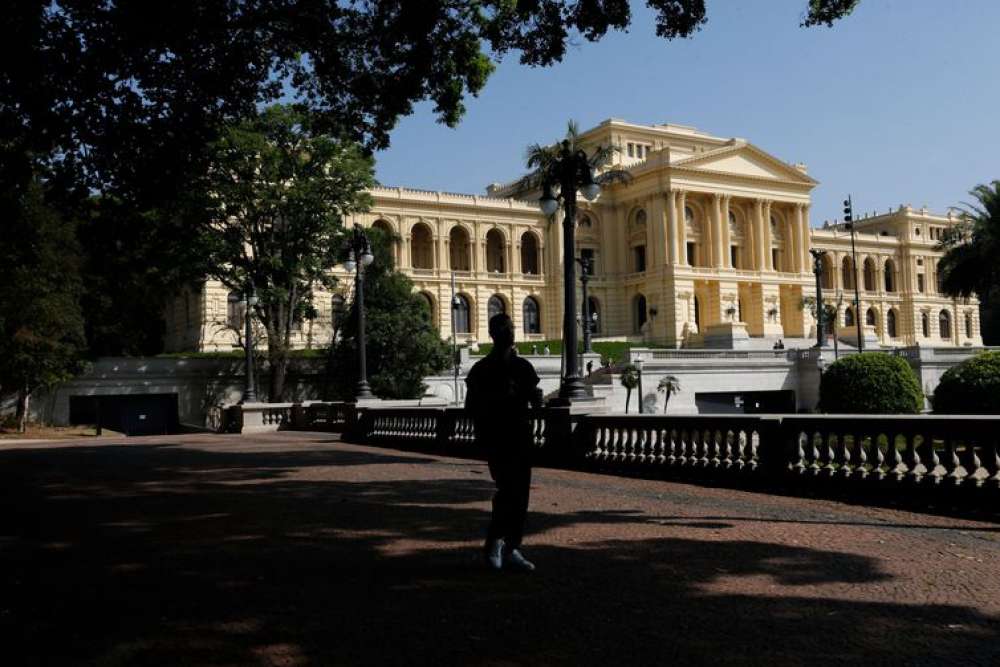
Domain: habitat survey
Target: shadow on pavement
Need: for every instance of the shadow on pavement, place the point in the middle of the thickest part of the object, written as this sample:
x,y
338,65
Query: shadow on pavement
x,y
152,554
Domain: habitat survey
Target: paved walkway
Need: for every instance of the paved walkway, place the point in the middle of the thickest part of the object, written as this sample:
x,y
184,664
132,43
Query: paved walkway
x,y
292,549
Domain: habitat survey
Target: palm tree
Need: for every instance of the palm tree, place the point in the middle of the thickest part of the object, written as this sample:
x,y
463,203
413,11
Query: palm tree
x,y
539,159
971,248
669,385
630,380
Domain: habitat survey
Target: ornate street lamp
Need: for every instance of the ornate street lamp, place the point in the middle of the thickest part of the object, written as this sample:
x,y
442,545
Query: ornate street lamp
x,y
820,311
586,269
570,171
849,223
250,383
359,255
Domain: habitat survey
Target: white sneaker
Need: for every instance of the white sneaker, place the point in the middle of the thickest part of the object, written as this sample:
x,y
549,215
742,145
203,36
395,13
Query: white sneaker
x,y
494,554
516,561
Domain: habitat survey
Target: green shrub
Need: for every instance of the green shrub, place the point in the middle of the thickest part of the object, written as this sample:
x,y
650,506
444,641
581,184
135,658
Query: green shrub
x,y
871,383
972,387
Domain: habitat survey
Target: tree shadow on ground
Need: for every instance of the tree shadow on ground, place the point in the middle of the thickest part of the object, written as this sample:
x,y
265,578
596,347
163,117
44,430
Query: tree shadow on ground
x,y
168,555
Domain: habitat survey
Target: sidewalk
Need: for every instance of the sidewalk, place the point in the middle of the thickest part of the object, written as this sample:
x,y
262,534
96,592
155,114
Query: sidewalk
x,y
295,549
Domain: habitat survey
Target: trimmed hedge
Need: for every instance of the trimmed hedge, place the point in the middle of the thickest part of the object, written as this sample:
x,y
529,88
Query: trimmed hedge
x,y
871,383
970,388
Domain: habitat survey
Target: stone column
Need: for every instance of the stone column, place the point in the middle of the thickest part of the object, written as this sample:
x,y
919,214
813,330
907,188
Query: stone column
x,y
795,245
671,205
758,236
405,251
802,210
727,258
681,228
657,240
716,217
766,214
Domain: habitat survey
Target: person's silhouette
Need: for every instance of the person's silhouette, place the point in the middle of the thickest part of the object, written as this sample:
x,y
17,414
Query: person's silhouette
x,y
502,388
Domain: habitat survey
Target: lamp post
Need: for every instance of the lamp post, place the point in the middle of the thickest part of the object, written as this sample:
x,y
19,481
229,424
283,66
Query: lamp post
x,y
638,366
454,336
586,267
849,223
818,270
570,171
359,255
250,386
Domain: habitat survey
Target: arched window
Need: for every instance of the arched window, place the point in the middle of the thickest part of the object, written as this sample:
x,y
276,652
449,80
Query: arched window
x,y
422,247
594,308
428,301
495,247
847,273
925,325
890,323
869,275
937,276
688,214
640,311
827,265
849,317
871,319
383,226
968,325
235,309
495,306
459,249
529,311
463,323
529,253
944,324
890,276
338,312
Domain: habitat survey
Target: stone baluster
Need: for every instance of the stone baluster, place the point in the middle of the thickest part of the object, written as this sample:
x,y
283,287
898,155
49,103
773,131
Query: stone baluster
x,y
671,444
726,449
930,461
991,461
704,452
814,455
892,459
829,454
951,463
843,457
971,463
860,471
799,464
912,459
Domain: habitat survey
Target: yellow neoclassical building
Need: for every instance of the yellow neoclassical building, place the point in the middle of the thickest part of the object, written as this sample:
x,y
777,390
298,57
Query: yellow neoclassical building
x,y
706,246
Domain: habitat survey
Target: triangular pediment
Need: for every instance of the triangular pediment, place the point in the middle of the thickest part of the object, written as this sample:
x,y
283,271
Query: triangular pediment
x,y
744,160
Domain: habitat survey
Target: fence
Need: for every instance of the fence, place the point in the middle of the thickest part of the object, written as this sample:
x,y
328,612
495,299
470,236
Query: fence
x,y
854,452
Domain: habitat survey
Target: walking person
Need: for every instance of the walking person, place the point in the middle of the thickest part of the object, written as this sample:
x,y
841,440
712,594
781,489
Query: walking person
x,y
502,388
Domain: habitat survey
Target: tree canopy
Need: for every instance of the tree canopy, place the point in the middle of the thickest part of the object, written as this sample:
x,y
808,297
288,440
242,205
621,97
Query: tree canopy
x,y
271,210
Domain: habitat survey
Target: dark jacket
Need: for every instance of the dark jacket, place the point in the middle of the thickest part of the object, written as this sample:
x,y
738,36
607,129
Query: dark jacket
x,y
499,396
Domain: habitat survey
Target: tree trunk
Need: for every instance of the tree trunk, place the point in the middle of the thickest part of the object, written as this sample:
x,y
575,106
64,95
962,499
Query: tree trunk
x,y
666,399
628,398
23,405
277,354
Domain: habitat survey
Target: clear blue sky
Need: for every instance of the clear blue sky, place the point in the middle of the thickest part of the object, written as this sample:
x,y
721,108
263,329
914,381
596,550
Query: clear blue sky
x,y
896,104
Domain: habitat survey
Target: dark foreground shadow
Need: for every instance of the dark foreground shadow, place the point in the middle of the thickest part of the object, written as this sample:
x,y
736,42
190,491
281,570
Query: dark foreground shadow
x,y
168,556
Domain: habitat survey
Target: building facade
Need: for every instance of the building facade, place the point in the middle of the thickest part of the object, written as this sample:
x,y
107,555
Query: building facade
x,y
707,245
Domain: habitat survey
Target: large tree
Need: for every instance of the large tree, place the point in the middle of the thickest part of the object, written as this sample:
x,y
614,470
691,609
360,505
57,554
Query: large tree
x,y
402,345
272,207
41,326
969,265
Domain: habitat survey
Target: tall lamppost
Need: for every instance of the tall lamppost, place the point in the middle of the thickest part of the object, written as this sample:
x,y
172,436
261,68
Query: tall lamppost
x,y
250,383
359,255
820,311
586,268
849,223
638,366
454,336
569,171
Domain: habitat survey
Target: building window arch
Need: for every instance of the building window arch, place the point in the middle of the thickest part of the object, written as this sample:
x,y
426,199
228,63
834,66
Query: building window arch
x,y
944,324
531,317
639,311
428,300
849,316
826,263
925,325
496,306
460,248
384,226
421,246
890,323
869,274
847,273
529,253
871,318
496,246
890,276
968,325
463,314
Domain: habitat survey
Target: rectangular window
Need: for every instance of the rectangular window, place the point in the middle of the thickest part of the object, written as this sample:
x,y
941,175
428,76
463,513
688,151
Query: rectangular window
x,y
587,254
775,259
631,150
690,253
734,257
920,283
640,258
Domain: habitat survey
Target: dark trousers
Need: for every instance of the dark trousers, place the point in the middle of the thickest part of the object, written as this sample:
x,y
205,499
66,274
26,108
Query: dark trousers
x,y
510,468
